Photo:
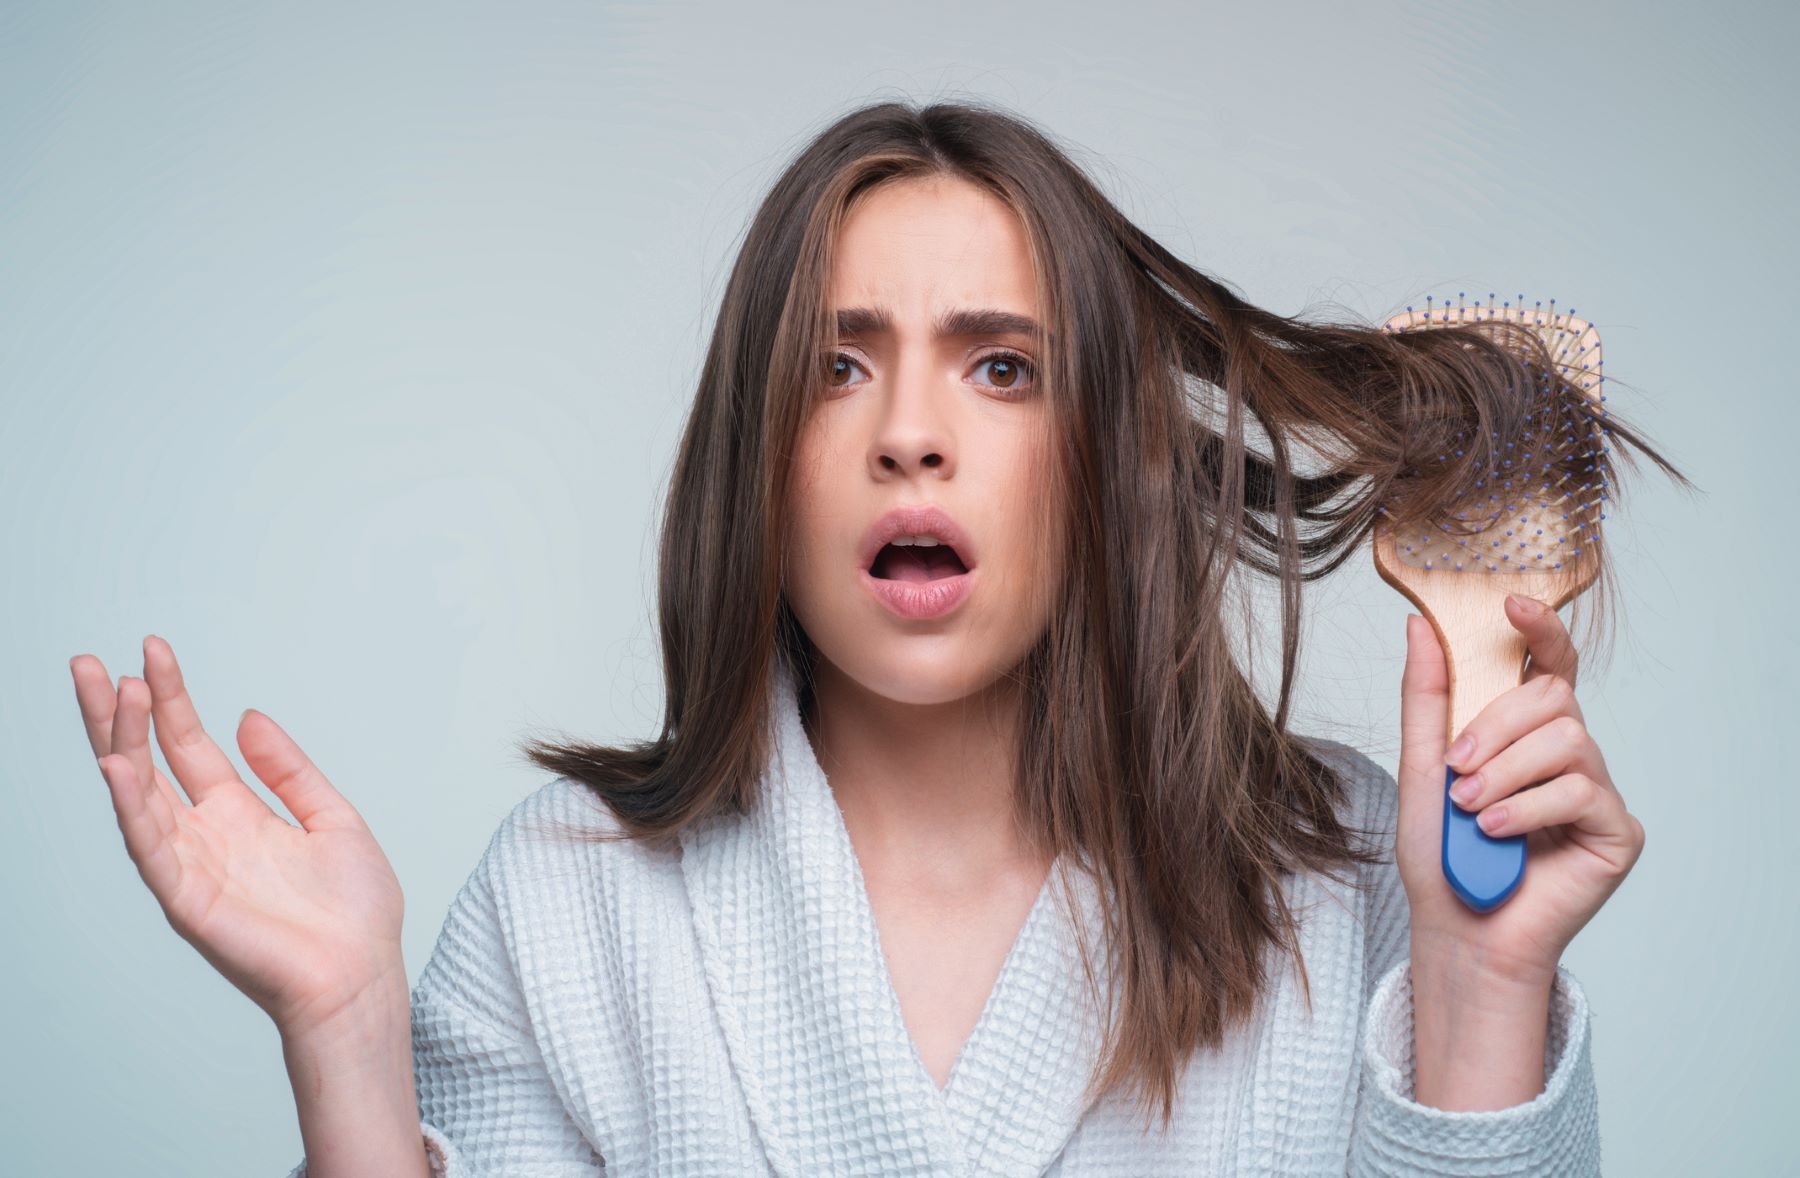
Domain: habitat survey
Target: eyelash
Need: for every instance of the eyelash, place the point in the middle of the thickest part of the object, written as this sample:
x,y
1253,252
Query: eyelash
x,y
985,358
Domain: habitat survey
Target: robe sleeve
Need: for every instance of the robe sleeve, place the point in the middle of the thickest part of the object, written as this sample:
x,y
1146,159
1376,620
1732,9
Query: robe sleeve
x,y
487,1104
1556,1133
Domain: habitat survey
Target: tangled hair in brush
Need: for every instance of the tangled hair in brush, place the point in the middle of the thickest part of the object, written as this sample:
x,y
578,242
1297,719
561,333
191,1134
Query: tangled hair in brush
x,y
1195,434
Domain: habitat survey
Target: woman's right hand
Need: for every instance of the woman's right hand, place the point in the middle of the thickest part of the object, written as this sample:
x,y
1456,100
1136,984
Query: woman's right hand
x,y
305,920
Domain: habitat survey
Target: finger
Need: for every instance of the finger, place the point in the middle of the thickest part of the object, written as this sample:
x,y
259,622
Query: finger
x,y
131,727
1424,704
290,774
1564,745
98,701
1547,640
1510,715
200,765
146,840
1575,800
95,696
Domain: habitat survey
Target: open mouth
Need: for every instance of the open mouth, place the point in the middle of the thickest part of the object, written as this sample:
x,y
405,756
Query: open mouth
x,y
900,561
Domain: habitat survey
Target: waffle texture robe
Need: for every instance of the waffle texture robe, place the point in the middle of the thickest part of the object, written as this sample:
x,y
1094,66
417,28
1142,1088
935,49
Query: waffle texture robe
x,y
726,1010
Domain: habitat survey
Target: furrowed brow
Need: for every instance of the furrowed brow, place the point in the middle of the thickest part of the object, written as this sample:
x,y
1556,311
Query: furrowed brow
x,y
864,321
961,321
982,321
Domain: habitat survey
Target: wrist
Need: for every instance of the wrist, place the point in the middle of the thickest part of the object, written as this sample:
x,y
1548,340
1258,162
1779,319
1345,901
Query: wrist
x,y
1478,1036
1475,994
375,1021
1479,969
368,998
364,1046
354,1090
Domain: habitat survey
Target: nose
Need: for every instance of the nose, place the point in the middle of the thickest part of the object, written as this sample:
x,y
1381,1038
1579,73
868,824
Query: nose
x,y
913,435
893,462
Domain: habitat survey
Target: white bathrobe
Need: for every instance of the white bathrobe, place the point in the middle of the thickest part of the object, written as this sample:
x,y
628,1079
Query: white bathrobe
x,y
727,1011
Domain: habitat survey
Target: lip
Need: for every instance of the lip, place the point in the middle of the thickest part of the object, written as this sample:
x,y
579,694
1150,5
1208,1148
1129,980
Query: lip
x,y
926,518
917,600
920,600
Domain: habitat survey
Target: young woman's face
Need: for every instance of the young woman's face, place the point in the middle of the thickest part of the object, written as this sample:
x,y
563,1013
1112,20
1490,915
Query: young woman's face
x,y
932,401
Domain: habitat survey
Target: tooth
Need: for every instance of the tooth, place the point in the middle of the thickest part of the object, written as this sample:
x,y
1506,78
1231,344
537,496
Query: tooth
x,y
923,540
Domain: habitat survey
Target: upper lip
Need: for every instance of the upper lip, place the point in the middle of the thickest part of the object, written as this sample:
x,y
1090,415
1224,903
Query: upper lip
x,y
926,518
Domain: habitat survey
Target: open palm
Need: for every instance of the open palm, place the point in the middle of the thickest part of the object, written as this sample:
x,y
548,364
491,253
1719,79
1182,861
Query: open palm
x,y
303,919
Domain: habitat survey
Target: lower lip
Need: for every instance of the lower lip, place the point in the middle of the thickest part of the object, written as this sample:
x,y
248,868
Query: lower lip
x,y
920,600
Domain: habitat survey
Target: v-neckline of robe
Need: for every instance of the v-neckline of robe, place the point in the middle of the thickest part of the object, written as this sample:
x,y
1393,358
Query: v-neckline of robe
x,y
832,1077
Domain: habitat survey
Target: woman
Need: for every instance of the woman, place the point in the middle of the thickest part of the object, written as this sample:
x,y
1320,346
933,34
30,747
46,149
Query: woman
x,y
966,847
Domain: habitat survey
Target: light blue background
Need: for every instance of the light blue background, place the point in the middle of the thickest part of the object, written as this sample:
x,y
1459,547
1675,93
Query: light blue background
x,y
348,352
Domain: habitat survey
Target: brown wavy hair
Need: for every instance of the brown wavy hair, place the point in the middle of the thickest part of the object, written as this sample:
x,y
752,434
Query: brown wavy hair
x,y
1178,411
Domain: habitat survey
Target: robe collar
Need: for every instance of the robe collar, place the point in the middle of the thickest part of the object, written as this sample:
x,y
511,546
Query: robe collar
x,y
813,1026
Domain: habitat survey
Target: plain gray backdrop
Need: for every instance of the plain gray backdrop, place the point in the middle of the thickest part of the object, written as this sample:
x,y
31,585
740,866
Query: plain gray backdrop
x,y
348,349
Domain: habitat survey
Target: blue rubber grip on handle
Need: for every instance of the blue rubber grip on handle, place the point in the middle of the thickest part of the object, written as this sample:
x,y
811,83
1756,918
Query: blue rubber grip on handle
x,y
1483,870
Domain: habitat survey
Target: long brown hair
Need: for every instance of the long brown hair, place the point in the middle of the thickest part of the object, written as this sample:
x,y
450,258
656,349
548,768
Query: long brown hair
x,y
1145,748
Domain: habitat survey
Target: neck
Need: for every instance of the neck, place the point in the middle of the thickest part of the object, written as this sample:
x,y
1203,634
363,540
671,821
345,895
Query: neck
x,y
926,790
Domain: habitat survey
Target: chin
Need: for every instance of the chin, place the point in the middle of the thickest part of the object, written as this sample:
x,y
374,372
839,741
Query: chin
x,y
906,672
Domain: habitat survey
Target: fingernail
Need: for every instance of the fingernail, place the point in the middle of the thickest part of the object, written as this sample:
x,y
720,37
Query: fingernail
x,y
1466,789
1529,605
1492,818
1459,752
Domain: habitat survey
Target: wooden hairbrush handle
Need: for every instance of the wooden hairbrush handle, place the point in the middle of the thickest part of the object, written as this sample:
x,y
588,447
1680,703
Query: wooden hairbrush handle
x,y
1462,595
1486,657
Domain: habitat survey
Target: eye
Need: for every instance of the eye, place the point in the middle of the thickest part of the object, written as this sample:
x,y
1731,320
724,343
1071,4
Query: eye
x,y
836,372
1011,371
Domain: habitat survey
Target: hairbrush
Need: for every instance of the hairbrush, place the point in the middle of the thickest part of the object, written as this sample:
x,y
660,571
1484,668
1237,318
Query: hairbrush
x,y
1530,526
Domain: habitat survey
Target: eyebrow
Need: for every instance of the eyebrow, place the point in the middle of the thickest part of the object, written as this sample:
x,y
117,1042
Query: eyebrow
x,y
959,321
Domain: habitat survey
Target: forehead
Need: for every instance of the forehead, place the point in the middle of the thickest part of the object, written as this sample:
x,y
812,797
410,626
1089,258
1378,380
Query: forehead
x,y
919,245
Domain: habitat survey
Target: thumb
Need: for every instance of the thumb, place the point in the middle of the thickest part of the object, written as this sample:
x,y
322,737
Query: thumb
x,y
1424,711
290,774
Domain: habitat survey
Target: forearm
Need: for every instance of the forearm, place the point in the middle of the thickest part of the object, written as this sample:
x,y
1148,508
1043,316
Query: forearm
x,y
1478,1040
354,1091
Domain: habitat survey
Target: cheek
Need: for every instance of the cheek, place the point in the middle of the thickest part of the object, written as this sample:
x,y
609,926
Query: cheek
x,y
1037,509
1029,517
1041,562
810,517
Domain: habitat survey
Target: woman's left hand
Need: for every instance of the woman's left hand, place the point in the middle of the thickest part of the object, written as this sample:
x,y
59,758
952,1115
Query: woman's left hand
x,y
1580,840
